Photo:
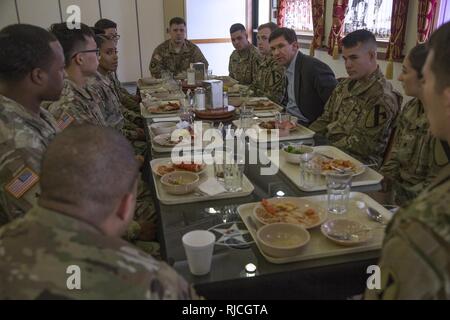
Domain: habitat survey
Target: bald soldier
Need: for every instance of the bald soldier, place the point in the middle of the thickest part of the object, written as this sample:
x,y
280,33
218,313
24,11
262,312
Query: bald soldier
x,y
415,258
176,54
269,78
244,59
78,223
360,111
78,103
31,70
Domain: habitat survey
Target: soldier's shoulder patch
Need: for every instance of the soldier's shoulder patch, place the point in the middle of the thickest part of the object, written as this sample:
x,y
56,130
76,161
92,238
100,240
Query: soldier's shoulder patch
x,y
377,116
64,121
22,182
157,57
441,153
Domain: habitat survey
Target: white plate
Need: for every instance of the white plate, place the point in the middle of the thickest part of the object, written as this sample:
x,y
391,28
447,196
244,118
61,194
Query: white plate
x,y
156,163
359,167
346,232
164,140
301,204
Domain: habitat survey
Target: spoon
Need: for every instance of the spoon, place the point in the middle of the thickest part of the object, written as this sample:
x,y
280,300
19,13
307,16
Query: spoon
x,y
375,215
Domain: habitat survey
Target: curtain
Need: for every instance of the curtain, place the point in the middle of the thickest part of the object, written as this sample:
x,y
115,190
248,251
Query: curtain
x,y
339,8
398,27
425,19
282,5
318,14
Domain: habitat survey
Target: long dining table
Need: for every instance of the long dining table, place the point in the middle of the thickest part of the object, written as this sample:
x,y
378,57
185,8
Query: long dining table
x,y
336,277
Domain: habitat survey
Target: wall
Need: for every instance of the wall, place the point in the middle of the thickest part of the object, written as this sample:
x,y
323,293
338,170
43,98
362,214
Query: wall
x,y
140,24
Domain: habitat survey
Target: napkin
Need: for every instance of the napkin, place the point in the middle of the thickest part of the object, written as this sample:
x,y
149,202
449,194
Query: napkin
x,y
166,119
211,187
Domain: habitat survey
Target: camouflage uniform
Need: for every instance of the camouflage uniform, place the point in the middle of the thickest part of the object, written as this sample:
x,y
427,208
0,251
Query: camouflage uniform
x,y
243,65
269,80
112,110
110,268
82,104
127,99
23,140
416,157
415,260
166,58
358,117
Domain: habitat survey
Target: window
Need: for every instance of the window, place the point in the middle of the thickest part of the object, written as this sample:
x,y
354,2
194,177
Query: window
x,y
373,15
299,16
443,14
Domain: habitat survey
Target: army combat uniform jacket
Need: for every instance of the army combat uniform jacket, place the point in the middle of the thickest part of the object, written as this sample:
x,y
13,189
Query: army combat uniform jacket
x,y
415,259
416,156
358,117
166,58
243,65
80,105
58,253
24,137
269,80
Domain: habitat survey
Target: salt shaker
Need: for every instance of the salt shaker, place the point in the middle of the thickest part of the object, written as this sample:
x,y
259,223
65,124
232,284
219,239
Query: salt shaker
x,y
200,98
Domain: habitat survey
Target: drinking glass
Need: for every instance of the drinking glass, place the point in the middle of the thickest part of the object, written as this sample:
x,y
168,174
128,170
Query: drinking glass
x,y
338,191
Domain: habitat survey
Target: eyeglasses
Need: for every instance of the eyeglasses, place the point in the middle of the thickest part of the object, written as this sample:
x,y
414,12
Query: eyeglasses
x,y
97,52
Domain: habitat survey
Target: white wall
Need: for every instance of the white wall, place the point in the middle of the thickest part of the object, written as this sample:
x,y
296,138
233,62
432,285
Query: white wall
x,y
90,10
41,13
137,42
8,14
213,19
151,29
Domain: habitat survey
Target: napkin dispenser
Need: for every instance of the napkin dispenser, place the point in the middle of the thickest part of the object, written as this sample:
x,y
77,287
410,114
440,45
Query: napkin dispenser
x,y
200,71
214,94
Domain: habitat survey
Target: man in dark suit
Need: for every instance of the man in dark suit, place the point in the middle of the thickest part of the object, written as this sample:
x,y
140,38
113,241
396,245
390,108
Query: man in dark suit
x,y
310,82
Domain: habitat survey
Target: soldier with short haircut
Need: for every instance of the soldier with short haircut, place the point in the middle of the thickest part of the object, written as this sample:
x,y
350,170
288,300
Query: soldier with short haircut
x,y
102,83
31,71
77,102
415,259
245,58
416,156
176,54
269,80
78,222
129,101
361,110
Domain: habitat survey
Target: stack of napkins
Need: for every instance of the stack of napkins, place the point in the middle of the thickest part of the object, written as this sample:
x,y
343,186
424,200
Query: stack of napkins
x,y
212,187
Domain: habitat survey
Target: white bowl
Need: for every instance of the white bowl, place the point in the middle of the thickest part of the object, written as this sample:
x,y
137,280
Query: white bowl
x,y
163,127
282,240
294,157
186,182
346,232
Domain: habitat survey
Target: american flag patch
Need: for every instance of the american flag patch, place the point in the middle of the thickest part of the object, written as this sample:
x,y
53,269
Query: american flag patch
x,y
21,183
64,121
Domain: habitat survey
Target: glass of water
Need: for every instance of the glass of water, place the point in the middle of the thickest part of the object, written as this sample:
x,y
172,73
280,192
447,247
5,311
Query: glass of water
x,y
338,190
308,170
233,173
246,117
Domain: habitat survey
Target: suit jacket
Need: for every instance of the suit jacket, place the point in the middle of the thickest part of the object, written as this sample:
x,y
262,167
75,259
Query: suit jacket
x,y
314,82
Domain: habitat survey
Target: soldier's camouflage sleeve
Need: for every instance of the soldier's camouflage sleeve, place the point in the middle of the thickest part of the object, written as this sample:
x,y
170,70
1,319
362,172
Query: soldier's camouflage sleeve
x,y
320,125
199,57
156,63
368,138
415,256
